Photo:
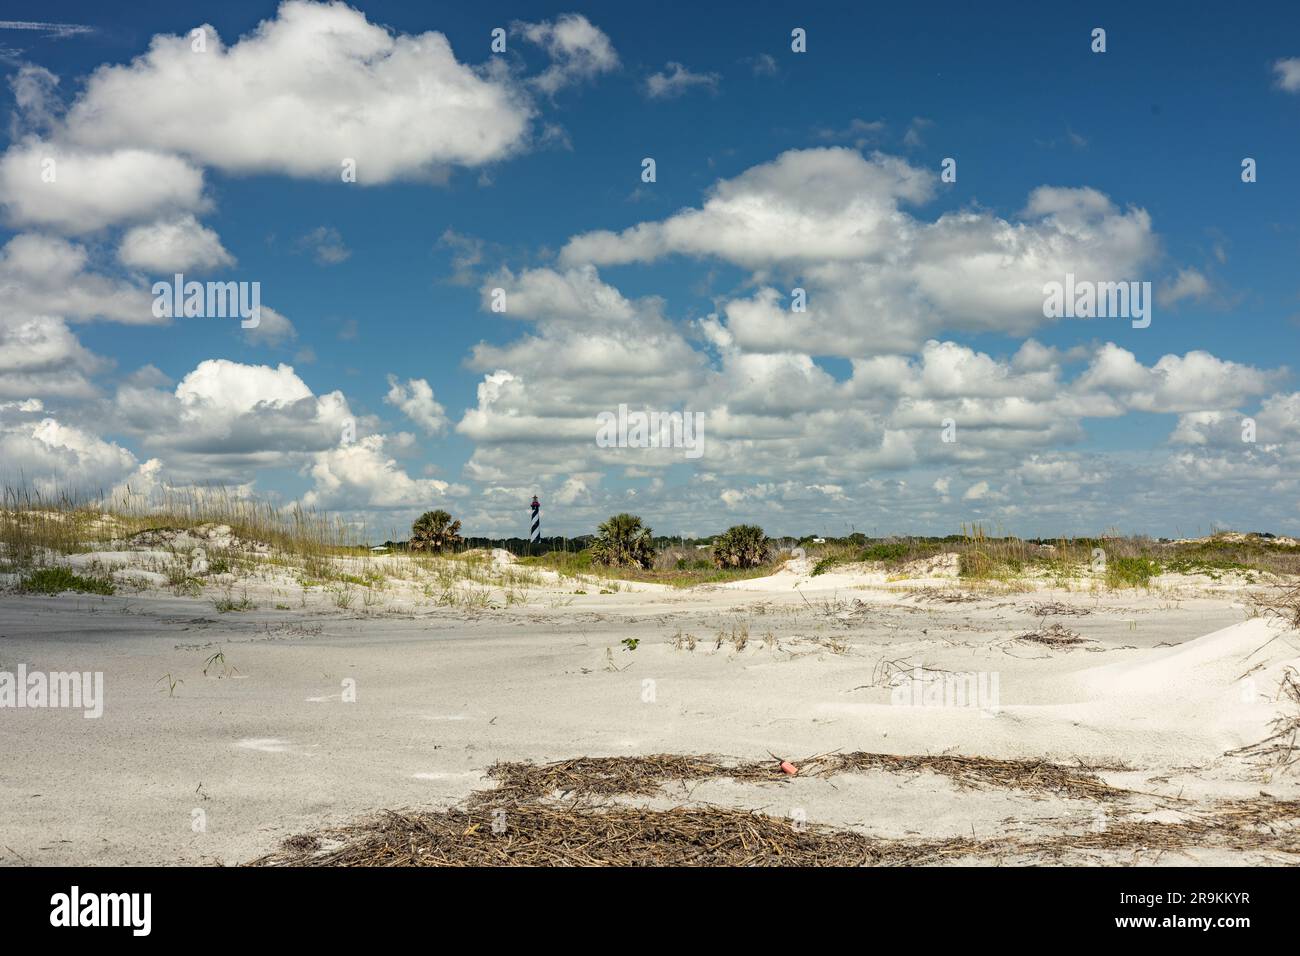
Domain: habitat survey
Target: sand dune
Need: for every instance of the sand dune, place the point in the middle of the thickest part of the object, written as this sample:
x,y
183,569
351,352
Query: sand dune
x,y
316,714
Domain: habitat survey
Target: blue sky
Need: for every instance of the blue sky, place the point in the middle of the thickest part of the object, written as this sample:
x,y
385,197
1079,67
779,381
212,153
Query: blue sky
x,y
392,284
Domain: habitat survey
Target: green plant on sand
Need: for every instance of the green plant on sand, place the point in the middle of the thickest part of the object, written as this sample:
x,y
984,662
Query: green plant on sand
x,y
435,531
622,542
741,546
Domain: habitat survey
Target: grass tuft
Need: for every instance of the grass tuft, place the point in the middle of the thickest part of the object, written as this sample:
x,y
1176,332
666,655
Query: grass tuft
x,y
59,579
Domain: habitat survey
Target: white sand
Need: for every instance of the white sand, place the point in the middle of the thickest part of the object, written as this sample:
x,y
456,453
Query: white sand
x,y
269,746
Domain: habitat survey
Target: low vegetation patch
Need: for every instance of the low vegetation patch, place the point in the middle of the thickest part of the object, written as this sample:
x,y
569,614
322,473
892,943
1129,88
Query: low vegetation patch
x,y
228,602
58,580
674,570
980,565
893,553
1135,572
824,565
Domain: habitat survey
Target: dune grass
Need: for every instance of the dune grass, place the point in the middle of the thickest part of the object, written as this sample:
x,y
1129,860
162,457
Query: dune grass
x,y
33,526
58,580
1118,561
38,531
674,567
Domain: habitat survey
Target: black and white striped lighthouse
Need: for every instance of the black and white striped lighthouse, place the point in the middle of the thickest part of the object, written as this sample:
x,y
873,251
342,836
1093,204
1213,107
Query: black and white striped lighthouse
x,y
536,536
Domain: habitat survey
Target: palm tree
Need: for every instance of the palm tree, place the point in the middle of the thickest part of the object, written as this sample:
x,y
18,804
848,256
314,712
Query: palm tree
x,y
741,546
622,542
435,531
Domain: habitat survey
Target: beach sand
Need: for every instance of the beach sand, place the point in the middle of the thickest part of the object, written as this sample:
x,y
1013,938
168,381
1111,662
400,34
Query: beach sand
x,y
316,715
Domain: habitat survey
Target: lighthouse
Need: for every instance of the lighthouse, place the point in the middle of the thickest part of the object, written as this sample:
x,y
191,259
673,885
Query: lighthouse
x,y
536,535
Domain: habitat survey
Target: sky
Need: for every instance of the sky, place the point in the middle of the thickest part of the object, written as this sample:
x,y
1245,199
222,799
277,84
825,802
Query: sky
x,y
465,267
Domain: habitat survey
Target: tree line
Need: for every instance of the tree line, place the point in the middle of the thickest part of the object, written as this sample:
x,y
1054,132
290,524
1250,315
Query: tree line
x,y
621,541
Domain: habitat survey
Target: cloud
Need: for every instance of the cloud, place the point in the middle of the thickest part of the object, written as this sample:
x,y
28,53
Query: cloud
x,y
575,295
46,276
591,348
578,50
226,419
55,458
56,31
878,279
26,405
363,475
45,284
467,255
272,329
173,245
416,401
777,416
577,489
1288,74
675,80
224,422
1197,381
914,137
1187,284
326,245
860,132
75,190
39,107
41,356
804,206
304,90
1057,470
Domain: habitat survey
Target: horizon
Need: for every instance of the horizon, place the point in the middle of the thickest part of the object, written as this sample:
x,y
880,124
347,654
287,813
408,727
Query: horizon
x,y
905,278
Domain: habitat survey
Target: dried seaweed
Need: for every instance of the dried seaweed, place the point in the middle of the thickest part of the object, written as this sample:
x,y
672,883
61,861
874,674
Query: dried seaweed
x,y
1053,635
541,834
580,834
1057,608
607,776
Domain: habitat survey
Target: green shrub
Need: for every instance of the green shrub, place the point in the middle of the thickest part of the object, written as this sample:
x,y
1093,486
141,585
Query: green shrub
x,y
685,564
1212,568
435,531
1131,572
824,565
57,580
890,551
623,542
742,546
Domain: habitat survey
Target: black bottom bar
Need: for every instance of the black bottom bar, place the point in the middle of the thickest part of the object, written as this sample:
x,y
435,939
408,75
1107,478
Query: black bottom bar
x,y
331,905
